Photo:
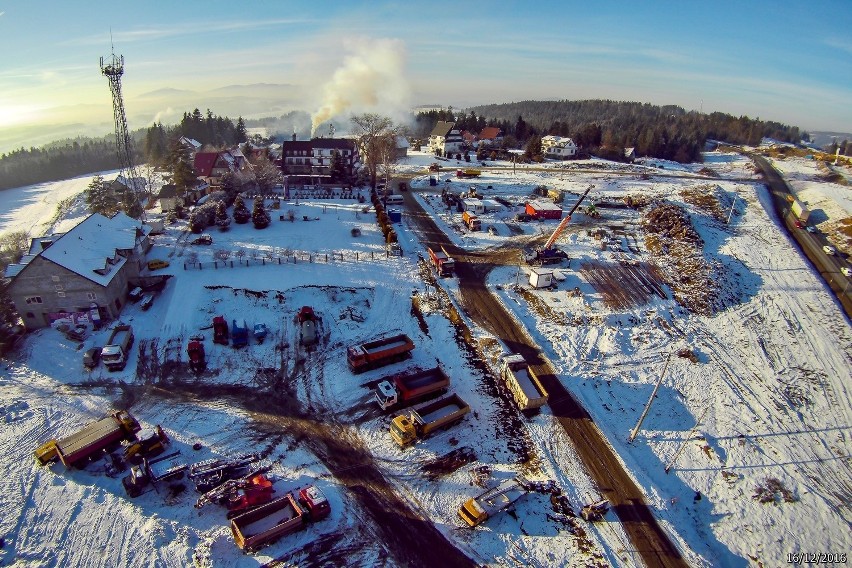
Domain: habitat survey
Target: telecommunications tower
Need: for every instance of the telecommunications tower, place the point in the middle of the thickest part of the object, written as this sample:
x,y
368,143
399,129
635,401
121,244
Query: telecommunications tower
x,y
113,69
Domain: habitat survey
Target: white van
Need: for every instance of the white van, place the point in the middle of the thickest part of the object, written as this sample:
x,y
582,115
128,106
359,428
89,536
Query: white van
x,y
395,200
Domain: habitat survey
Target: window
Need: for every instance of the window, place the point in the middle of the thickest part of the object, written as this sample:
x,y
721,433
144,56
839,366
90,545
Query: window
x,y
55,278
92,296
33,300
61,294
30,315
57,287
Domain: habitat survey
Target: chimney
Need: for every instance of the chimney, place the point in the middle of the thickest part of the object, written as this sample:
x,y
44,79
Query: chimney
x,y
294,136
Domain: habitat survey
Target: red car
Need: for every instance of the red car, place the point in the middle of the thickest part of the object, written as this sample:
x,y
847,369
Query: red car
x,y
798,224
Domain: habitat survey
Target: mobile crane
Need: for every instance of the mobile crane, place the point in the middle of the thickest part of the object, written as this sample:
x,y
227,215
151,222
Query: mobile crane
x,y
548,254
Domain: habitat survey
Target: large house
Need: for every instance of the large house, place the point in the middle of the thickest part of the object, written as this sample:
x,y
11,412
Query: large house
x,y
490,136
445,138
79,275
309,161
171,199
558,147
212,166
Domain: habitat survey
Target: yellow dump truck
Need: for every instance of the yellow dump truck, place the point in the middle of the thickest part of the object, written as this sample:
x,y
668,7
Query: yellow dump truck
x,y
81,446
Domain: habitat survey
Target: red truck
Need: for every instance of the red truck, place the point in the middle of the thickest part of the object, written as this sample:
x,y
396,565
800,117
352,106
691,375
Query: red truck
x,y
443,263
93,439
378,353
409,388
267,523
195,350
220,330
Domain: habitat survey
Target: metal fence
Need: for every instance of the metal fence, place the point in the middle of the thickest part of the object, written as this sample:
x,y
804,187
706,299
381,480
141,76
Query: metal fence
x,y
296,257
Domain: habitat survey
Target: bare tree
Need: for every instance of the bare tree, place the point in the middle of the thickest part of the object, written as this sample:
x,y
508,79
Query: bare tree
x,y
376,136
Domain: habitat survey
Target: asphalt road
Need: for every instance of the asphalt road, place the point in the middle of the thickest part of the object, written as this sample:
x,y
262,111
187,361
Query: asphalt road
x,y
646,536
811,244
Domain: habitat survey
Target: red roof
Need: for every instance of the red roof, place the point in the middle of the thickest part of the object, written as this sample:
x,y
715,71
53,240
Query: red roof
x,y
489,133
204,162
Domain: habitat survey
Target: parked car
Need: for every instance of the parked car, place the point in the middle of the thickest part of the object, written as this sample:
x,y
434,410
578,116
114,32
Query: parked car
x,y
203,240
92,357
798,224
846,271
146,302
157,263
135,295
810,229
828,249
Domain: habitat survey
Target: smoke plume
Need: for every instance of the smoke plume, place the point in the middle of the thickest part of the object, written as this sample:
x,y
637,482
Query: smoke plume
x,y
370,80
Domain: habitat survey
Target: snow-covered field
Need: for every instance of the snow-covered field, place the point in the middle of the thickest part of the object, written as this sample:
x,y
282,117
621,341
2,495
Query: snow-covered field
x,y
767,405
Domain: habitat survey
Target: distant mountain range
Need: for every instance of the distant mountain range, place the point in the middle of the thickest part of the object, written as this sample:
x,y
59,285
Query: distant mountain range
x,y
822,139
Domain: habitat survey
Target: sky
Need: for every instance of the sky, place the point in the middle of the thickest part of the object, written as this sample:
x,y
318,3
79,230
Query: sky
x,y
781,61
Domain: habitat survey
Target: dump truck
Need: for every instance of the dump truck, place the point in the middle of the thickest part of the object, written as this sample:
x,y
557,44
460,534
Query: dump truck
x,y
316,506
471,221
800,211
239,334
117,350
499,498
522,382
89,442
267,523
468,173
197,360
409,388
378,353
443,262
220,330
420,422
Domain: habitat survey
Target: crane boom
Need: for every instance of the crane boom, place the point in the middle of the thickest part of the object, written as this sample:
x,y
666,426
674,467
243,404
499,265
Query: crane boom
x,y
565,221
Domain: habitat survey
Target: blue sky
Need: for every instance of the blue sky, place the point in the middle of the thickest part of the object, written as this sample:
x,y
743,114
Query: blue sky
x,y
783,61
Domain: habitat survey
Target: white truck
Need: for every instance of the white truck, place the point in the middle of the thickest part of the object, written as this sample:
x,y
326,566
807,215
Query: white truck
x,y
117,350
522,382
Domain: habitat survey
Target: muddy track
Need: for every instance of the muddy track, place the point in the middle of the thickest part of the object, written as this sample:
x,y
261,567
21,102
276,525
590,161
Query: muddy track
x,y
600,460
406,536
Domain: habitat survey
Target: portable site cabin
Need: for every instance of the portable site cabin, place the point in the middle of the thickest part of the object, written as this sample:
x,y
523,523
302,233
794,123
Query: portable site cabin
x,y
541,209
540,278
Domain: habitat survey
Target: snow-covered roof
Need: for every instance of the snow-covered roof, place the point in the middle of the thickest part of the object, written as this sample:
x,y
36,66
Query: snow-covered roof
x,y
401,142
89,249
186,141
561,141
543,205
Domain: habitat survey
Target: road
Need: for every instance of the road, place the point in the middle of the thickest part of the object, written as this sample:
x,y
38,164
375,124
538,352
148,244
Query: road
x,y
811,244
646,536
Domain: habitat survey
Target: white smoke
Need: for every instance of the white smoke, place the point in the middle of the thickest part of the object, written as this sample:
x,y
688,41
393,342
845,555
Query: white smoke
x,y
370,80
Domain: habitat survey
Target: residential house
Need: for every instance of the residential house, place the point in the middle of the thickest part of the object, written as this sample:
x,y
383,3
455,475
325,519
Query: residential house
x,y
212,166
79,275
121,185
192,145
558,147
309,161
445,138
490,137
402,146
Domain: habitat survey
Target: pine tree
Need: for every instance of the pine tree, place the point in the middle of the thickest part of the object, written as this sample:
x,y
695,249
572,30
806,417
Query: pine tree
x,y
99,198
240,134
222,219
241,212
259,216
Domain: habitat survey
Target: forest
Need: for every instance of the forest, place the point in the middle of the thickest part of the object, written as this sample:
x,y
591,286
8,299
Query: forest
x,y
69,158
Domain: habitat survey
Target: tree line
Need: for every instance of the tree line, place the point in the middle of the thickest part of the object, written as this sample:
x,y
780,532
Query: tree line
x,y
605,128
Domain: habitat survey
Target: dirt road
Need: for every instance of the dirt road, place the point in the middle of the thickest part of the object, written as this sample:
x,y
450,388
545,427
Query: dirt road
x,y
646,536
390,527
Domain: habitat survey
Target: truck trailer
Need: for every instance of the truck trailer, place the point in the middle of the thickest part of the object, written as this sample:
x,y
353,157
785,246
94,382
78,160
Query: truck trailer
x,y
267,523
522,382
494,500
443,263
117,350
87,443
420,422
409,388
378,353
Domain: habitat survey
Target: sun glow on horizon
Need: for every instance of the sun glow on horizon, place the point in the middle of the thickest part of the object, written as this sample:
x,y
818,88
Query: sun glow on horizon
x,y
12,114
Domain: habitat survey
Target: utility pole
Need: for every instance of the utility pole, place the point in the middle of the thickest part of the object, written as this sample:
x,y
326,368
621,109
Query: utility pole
x,y
731,212
650,400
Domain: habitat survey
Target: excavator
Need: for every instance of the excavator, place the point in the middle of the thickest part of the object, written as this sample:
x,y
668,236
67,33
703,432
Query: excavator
x,y
548,254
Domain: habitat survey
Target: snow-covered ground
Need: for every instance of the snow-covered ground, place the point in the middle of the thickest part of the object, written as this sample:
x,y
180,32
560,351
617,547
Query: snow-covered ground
x,y
767,400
